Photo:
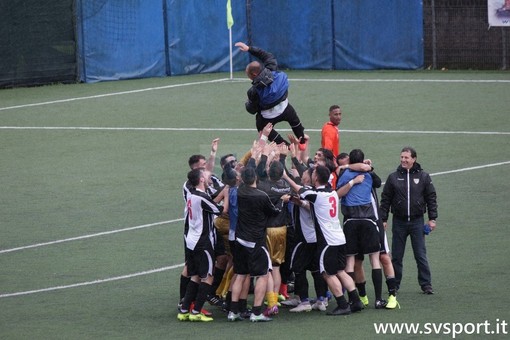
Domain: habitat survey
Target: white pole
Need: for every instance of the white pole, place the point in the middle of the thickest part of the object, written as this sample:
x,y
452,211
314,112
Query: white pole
x,y
230,44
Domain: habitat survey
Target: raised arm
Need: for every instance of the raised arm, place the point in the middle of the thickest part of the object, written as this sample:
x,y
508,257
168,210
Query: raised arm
x,y
212,158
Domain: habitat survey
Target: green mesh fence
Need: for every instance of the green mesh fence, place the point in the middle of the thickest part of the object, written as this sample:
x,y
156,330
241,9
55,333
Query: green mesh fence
x,y
457,36
37,42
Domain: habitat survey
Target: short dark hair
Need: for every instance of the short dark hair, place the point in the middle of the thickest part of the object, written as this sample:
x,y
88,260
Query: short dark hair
x,y
322,174
275,171
356,156
223,159
333,107
328,154
194,176
410,150
194,159
342,155
248,176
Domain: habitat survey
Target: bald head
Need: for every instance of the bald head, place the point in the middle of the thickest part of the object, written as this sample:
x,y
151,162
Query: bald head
x,y
253,69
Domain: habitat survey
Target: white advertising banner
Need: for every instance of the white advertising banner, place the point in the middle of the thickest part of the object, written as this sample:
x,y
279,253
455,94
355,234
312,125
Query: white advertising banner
x,y
498,12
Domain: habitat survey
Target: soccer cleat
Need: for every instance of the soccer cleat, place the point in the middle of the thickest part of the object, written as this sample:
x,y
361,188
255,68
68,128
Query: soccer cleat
x,y
340,311
271,310
259,318
380,304
293,302
357,306
392,302
364,299
203,310
304,306
303,143
234,316
183,316
200,317
427,290
320,305
215,300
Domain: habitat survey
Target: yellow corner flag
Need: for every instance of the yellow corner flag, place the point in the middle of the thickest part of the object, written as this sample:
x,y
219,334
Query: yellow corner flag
x,y
230,19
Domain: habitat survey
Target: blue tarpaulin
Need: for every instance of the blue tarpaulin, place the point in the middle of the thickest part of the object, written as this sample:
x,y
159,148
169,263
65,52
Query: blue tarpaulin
x,y
122,39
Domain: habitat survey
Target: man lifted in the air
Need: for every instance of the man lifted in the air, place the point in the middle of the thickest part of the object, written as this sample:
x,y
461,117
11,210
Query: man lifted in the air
x,y
267,98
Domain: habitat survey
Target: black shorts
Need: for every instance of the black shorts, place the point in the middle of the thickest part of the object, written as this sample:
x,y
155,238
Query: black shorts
x,y
383,240
331,259
219,246
304,257
362,236
200,262
253,261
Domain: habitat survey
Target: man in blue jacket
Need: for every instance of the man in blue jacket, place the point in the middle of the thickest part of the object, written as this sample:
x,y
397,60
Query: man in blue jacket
x,y
267,98
409,193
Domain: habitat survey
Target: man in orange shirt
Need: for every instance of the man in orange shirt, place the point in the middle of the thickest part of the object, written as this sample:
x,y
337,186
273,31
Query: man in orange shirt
x,y
330,134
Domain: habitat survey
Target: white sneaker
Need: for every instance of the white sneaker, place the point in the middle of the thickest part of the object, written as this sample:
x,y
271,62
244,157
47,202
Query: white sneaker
x,y
291,302
320,305
259,318
234,316
304,306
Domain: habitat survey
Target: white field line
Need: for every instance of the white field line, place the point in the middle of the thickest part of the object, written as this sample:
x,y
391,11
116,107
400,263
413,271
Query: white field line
x,y
81,284
88,236
92,128
245,80
168,267
470,168
110,94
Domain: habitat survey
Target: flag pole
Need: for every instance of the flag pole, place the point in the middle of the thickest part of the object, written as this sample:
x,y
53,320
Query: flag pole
x,y
230,23
231,63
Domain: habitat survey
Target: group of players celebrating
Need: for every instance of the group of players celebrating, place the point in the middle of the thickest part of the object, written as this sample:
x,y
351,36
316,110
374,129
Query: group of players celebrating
x,y
262,222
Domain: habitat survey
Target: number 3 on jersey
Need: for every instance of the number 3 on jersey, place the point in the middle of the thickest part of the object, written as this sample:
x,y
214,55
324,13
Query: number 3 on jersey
x,y
333,210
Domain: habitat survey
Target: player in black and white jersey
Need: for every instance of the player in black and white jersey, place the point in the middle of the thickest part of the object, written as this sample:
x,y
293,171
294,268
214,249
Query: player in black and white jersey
x,y
200,239
325,205
305,257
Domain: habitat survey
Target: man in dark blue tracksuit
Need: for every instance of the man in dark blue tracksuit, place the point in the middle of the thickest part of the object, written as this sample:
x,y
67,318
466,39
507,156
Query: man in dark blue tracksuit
x,y
409,193
267,98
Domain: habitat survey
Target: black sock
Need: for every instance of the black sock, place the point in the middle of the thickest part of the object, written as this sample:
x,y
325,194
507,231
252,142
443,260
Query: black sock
x,y
257,310
182,287
243,305
190,296
341,302
228,300
320,284
234,307
353,296
218,276
362,288
377,281
392,286
204,289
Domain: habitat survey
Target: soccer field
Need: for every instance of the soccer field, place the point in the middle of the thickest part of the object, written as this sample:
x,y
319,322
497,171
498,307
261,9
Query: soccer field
x,y
91,203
